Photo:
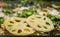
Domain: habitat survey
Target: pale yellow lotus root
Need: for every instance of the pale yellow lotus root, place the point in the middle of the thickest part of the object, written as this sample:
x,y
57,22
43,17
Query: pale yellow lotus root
x,y
40,23
18,26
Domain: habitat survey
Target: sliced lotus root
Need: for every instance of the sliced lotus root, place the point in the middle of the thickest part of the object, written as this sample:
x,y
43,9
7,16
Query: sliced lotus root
x,y
18,26
40,23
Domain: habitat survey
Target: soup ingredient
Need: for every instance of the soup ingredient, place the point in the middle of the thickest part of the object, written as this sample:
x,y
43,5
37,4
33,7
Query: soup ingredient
x,y
18,26
23,2
27,13
53,18
55,6
40,23
7,11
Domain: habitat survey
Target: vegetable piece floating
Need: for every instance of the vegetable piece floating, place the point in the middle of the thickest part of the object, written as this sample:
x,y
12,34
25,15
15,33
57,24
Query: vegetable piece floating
x,y
40,24
27,13
18,27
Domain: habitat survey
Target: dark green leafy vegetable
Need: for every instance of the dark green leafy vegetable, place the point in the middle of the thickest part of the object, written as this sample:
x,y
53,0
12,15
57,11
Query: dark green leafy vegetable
x,y
54,19
55,22
1,21
24,2
42,3
7,11
27,13
21,15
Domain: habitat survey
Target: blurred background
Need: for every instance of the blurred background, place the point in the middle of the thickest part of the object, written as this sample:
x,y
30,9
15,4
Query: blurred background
x,y
31,2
